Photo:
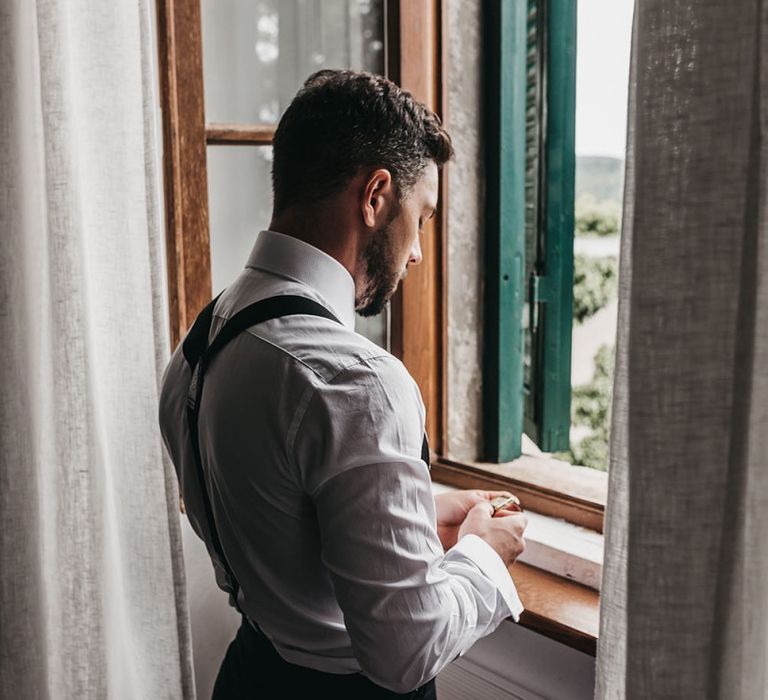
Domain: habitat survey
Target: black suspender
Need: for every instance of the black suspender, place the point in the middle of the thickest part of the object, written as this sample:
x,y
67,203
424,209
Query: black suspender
x,y
198,355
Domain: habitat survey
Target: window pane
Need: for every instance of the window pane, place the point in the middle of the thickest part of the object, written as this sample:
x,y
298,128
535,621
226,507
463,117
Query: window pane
x,y
256,55
375,328
240,204
604,38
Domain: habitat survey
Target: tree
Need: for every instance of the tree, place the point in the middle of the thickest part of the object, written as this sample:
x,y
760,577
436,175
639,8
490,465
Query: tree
x,y
594,285
591,407
596,218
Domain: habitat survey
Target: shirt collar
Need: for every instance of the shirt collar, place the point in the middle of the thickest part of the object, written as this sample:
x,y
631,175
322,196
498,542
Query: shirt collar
x,y
299,261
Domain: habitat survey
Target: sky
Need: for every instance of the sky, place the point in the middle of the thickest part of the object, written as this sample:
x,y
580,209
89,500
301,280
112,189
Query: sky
x,y
602,71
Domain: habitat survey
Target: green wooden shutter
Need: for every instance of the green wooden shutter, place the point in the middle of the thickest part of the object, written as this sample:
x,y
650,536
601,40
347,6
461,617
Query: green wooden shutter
x,y
530,69
505,49
550,163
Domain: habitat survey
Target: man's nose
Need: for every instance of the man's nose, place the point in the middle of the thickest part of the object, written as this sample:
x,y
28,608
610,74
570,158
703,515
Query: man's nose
x,y
416,256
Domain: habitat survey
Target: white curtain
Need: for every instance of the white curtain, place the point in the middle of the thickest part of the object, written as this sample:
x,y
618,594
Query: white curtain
x,y
92,598
685,590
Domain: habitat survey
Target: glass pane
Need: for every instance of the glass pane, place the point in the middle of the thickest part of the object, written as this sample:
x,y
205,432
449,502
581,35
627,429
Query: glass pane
x,y
375,328
256,55
602,60
240,204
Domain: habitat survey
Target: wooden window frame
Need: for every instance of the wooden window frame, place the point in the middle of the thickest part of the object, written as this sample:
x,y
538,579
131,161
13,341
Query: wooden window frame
x,y
415,58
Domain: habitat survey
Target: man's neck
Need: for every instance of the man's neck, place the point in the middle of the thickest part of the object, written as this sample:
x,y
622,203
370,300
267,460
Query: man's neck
x,y
323,229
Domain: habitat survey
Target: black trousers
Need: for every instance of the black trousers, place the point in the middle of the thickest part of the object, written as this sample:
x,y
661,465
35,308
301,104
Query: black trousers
x,y
253,669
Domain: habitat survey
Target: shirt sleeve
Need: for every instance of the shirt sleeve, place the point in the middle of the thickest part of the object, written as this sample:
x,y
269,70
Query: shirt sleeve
x,y
409,608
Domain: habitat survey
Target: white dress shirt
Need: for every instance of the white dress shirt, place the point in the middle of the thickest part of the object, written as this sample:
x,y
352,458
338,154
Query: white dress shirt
x,y
311,438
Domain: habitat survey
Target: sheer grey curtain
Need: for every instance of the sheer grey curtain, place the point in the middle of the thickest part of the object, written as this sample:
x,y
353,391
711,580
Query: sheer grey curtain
x,y
685,591
92,600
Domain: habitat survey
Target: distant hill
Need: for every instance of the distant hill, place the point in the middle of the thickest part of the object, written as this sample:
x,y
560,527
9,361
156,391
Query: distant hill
x,y
602,177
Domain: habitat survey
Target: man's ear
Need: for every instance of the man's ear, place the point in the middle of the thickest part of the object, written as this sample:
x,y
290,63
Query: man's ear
x,y
378,193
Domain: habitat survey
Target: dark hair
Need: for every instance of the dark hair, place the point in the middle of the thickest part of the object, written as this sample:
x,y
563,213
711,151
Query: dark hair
x,y
341,121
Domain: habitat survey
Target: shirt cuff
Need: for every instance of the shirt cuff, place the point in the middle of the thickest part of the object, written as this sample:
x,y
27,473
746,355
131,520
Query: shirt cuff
x,y
487,559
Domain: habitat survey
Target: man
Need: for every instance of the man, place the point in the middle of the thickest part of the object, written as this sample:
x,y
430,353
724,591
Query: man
x,y
351,577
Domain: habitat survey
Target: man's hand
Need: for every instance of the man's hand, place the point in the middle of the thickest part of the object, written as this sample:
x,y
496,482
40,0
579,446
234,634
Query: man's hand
x,y
502,529
453,507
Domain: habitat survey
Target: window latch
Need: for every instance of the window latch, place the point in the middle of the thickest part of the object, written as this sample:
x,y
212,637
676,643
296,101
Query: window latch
x,y
540,293
540,289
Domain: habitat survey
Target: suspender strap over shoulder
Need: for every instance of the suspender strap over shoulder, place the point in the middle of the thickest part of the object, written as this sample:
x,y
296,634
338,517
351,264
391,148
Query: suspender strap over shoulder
x,y
198,355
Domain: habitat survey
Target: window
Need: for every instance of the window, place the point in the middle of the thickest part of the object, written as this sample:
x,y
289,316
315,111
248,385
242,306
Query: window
x,y
530,226
217,136
228,68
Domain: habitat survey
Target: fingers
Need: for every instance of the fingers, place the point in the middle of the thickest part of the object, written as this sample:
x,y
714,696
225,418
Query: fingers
x,y
501,502
511,509
487,509
499,508
516,514
483,507
490,495
516,521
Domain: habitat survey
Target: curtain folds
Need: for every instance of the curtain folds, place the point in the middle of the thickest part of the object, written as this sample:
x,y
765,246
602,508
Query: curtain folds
x,y
685,590
92,597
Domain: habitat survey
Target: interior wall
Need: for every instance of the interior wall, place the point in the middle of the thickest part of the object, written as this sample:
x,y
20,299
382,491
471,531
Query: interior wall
x,y
465,195
214,622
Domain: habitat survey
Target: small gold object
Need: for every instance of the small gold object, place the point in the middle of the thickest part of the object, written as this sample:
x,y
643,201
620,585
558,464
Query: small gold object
x,y
503,501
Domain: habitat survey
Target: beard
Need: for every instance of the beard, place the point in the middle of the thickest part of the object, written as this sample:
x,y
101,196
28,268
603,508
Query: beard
x,y
382,273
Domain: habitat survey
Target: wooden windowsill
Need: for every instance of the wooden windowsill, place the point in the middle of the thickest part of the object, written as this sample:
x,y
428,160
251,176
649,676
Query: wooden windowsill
x,y
558,608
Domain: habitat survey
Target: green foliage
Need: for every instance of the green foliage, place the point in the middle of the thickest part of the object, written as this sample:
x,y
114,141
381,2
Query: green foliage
x,y
592,451
596,218
590,407
599,184
592,222
594,285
